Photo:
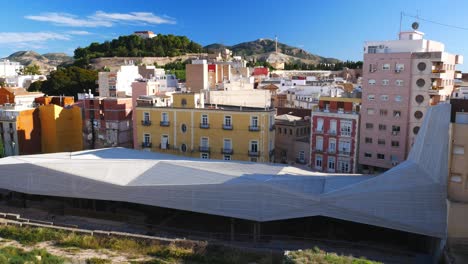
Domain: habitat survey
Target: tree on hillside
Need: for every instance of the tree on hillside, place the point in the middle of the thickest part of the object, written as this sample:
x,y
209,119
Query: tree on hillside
x,y
30,70
67,81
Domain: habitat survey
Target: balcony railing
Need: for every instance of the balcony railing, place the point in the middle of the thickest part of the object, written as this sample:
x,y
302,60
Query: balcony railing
x,y
345,133
204,149
146,144
204,125
162,146
227,151
331,151
318,150
145,122
344,152
164,123
395,133
227,127
254,128
253,153
332,132
317,131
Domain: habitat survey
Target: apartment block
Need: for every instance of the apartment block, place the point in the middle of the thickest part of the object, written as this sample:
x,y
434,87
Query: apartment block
x,y
458,173
16,95
117,83
189,127
292,139
20,130
401,79
335,130
107,122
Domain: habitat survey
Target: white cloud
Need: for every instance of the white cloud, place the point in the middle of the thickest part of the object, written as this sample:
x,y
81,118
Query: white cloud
x,y
64,19
29,37
79,32
101,19
144,17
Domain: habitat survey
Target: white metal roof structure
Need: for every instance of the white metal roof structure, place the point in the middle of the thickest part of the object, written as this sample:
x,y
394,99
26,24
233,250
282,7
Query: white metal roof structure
x,y
409,197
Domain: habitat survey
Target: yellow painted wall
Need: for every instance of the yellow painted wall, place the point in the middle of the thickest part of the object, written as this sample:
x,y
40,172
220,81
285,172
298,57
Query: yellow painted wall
x,y
61,128
240,135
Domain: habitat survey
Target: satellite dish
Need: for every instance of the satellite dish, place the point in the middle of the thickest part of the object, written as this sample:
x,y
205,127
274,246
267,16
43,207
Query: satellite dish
x,y
415,25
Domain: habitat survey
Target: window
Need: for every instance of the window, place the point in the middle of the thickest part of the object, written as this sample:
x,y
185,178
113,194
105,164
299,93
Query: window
x,y
419,98
318,162
183,102
399,67
320,125
344,147
371,81
418,114
254,121
332,145
146,117
204,155
227,122
384,97
279,130
183,128
367,154
319,144
254,146
346,127
382,127
164,142
368,140
147,138
421,66
204,120
386,66
332,130
456,178
204,142
420,82
395,130
381,141
372,49
383,112
399,82
398,98
385,82
343,166
458,150
370,111
395,143
227,157
301,156
380,156
396,114
415,130
371,97
369,125
331,164
165,117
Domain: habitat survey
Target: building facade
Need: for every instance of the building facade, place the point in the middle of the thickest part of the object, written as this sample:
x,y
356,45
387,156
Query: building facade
x,y
292,135
190,128
401,79
107,122
20,131
335,130
118,83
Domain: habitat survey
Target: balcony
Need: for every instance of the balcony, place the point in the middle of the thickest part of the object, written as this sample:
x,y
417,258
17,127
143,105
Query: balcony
x,y
227,127
164,146
145,122
345,133
317,131
164,123
253,153
204,149
318,150
204,125
344,152
229,151
146,144
395,133
332,132
331,151
254,128
299,161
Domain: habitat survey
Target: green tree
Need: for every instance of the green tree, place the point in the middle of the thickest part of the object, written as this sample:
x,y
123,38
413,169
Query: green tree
x,y
31,70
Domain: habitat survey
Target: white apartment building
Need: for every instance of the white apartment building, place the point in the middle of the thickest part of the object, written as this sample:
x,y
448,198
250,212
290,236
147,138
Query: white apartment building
x,y
119,83
9,68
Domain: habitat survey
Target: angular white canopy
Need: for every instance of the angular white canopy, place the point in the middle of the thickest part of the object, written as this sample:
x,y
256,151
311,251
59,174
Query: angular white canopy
x,y
409,197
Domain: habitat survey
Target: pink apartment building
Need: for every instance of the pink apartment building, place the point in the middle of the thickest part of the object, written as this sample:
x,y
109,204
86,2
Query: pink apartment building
x,y
401,79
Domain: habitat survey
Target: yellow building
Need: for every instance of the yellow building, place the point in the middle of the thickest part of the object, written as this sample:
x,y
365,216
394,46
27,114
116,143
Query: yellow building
x,y
61,128
190,128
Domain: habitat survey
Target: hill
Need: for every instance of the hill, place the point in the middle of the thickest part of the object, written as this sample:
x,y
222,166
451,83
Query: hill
x,y
264,50
46,62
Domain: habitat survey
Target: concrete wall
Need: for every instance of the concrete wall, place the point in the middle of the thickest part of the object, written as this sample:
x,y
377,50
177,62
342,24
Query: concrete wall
x,y
196,77
248,98
457,220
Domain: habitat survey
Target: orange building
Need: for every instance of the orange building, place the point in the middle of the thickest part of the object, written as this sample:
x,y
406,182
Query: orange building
x,y
15,95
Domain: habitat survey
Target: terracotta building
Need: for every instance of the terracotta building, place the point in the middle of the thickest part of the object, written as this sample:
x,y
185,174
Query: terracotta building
x,y
335,130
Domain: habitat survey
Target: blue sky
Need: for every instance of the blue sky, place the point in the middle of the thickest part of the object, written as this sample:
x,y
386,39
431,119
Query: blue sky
x,y
327,28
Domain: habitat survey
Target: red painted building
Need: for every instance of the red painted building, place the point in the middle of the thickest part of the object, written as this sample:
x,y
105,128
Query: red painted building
x,y
335,134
